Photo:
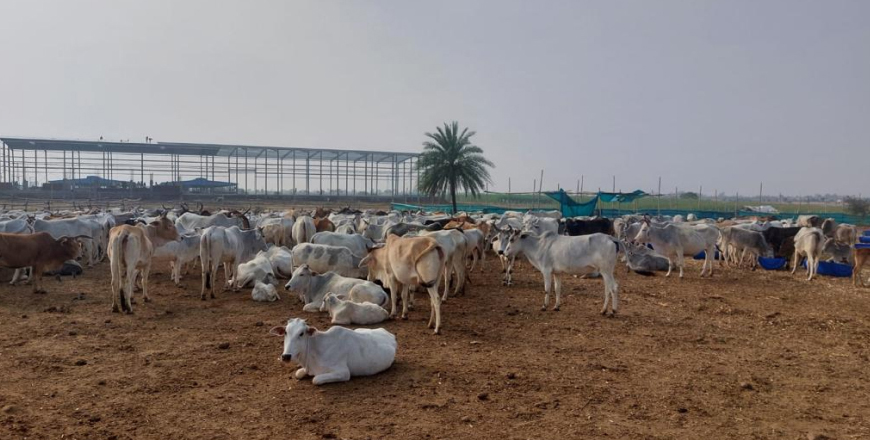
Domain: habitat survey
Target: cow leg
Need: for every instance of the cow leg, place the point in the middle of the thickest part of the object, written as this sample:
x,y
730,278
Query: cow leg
x,y
436,308
145,271
680,261
36,275
206,281
127,306
610,290
405,292
794,262
548,281
711,257
859,258
448,268
459,272
342,375
394,298
670,266
214,272
557,284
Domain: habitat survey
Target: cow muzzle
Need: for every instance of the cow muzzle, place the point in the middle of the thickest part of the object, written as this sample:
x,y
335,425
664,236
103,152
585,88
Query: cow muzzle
x,y
286,357
501,252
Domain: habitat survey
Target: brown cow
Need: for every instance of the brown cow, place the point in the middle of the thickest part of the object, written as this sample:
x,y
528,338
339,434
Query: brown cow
x,y
860,256
407,261
130,250
323,224
38,250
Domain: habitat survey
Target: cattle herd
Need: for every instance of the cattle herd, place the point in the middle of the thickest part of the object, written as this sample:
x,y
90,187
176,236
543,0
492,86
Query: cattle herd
x,y
358,266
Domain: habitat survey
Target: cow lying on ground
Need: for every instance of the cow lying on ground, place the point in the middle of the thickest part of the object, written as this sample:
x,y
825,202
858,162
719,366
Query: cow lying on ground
x,y
265,291
39,251
349,312
257,270
311,287
336,354
643,260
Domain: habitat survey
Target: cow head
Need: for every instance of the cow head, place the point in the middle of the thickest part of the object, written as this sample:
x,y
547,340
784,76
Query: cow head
x,y
643,235
516,242
296,334
72,246
329,301
165,229
300,281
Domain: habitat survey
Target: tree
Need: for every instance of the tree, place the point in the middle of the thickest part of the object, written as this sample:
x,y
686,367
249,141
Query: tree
x,y
858,207
689,195
450,162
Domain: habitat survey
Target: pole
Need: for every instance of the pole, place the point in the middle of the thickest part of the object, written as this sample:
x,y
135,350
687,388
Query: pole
x,y
540,186
700,190
659,199
509,192
581,184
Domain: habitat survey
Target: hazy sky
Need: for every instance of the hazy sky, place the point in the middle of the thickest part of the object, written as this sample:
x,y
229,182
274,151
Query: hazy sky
x,y
721,94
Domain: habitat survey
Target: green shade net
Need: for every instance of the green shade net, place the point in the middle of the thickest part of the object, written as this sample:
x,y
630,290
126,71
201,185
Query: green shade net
x,y
621,197
570,208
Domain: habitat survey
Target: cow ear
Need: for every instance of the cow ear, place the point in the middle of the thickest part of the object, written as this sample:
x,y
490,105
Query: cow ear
x,y
311,331
278,331
524,235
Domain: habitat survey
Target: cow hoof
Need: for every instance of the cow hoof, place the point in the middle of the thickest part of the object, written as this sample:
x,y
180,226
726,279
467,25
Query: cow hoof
x,y
148,300
128,312
543,308
556,309
404,318
212,296
437,331
40,291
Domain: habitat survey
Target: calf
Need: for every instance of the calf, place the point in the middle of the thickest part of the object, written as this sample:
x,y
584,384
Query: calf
x,y
734,240
643,260
265,291
39,251
336,354
323,258
554,255
349,312
808,242
311,287
178,253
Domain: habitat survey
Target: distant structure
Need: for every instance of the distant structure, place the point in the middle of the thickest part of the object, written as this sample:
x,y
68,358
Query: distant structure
x,y
56,164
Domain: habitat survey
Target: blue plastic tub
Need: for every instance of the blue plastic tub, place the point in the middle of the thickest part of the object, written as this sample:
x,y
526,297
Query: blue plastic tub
x,y
864,239
772,263
703,255
867,233
862,246
832,269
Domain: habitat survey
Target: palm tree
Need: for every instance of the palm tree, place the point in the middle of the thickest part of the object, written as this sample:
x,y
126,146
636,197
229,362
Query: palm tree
x,y
450,161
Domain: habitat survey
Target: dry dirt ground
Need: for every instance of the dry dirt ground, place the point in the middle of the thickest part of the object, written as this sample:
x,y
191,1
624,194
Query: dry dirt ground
x,y
744,355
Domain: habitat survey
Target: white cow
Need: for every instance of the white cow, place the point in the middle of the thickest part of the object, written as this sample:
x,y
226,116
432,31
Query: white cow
x,y
311,287
456,249
349,312
227,246
336,354
257,270
809,242
554,254
265,292
323,258
357,244
675,241
303,229
178,254
281,260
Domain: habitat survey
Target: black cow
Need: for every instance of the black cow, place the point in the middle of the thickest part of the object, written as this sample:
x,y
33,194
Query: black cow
x,y
587,227
781,240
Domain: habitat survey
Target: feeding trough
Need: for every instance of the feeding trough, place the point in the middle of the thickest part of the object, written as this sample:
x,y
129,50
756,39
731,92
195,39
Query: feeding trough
x,y
772,263
832,269
864,238
703,255
867,233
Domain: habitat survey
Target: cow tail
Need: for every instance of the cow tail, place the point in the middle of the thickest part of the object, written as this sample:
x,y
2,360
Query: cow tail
x,y
115,263
440,250
205,258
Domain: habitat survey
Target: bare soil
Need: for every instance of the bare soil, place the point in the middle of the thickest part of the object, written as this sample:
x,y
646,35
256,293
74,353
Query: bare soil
x,y
744,355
